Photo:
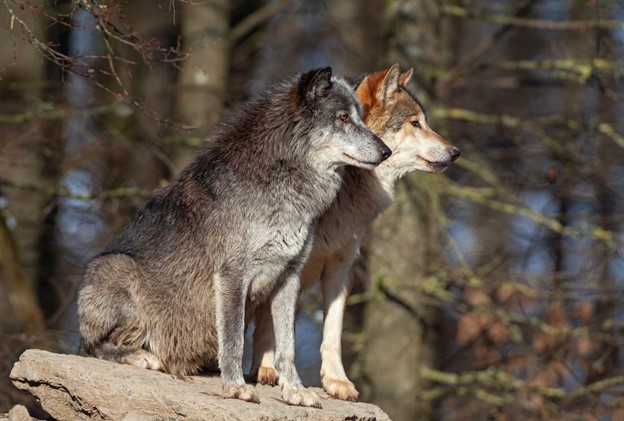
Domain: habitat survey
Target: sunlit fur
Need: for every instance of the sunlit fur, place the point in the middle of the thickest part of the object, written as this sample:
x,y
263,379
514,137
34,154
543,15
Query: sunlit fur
x,y
234,229
390,111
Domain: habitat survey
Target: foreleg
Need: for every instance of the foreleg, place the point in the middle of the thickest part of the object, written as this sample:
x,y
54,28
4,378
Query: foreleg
x,y
283,309
262,363
230,297
336,284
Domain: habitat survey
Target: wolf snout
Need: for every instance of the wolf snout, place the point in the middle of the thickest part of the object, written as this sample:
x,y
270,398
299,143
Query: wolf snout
x,y
385,151
382,149
455,153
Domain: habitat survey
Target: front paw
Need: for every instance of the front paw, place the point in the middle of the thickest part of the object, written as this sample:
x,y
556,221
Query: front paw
x,y
244,392
341,389
300,396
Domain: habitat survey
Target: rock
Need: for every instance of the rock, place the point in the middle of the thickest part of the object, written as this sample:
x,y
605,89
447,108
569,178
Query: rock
x,y
70,387
19,413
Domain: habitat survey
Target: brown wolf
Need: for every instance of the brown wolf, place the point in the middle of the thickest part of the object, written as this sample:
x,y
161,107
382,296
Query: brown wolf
x,y
396,116
171,292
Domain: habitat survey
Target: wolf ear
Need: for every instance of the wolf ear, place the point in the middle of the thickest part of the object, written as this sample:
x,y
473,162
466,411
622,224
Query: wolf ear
x,y
378,87
315,83
390,84
366,93
406,77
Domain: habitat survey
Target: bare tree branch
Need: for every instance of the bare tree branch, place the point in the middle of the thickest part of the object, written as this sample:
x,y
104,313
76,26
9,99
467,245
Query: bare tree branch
x,y
533,23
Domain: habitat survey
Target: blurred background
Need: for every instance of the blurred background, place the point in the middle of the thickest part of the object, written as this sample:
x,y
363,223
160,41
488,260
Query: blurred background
x,y
494,291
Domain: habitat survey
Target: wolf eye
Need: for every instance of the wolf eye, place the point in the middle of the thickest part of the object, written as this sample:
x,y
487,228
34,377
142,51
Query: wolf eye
x,y
343,117
416,124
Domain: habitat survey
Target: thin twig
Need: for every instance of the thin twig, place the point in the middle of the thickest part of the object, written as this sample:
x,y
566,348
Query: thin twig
x,y
572,25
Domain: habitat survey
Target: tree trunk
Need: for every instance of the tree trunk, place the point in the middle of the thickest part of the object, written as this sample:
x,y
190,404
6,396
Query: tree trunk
x,y
203,80
24,313
405,242
354,32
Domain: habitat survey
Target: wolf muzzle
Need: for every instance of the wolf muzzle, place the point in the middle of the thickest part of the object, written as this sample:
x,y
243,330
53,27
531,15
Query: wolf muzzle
x,y
383,149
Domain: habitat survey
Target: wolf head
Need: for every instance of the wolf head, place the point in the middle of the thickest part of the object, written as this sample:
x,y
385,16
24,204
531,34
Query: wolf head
x,y
334,115
395,115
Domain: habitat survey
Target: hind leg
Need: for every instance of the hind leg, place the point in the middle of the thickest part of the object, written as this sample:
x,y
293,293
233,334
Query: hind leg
x,y
144,359
109,326
130,356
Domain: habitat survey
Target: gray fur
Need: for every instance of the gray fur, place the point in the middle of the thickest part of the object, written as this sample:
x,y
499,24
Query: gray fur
x,y
390,111
171,292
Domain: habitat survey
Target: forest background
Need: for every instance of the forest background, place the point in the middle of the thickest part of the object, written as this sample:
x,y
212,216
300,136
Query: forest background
x,y
492,291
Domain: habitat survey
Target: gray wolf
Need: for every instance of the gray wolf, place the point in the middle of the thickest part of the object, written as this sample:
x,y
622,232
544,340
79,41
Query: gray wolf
x,y
172,291
395,115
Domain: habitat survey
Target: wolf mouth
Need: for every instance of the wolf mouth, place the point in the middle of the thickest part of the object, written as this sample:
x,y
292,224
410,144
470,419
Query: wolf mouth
x,y
435,166
359,161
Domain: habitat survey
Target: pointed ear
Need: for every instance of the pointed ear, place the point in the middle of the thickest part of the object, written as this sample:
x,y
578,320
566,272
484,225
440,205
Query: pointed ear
x,y
366,94
389,85
378,87
315,83
406,77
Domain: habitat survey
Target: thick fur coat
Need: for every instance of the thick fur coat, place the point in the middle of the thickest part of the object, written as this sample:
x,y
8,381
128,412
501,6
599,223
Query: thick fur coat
x,y
395,115
233,230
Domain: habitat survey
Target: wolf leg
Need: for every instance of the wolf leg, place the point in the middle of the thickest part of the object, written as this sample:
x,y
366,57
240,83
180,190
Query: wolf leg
x,y
230,297
109,326
336,284
262,365
124,355
283,308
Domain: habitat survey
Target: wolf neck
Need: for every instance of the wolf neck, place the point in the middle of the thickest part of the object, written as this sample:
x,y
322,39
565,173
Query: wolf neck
x,y
387,174
366,192
319,191
386,177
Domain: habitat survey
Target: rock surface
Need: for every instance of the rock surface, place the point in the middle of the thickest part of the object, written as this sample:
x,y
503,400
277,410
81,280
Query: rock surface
x,y
70,387
17,413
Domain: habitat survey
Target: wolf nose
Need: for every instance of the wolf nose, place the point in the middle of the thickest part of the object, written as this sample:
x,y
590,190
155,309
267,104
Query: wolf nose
x,y
385,151
455,153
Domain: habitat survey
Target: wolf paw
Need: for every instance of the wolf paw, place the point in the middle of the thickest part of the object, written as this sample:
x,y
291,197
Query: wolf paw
x,y
300,396
244,392
340,389
143,359
268,376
